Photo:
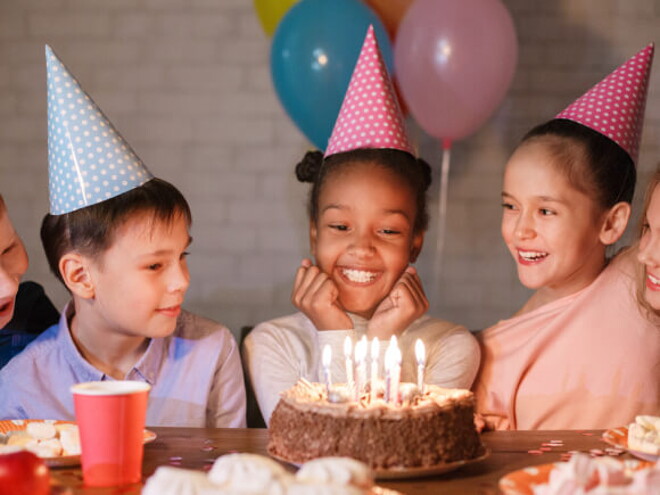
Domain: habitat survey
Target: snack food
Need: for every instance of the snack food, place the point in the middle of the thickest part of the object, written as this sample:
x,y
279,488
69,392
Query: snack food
x,y
251,474
644,435
45,439
424,430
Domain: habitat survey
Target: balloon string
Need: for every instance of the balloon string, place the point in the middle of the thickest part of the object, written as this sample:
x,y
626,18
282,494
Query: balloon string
x,y
442,210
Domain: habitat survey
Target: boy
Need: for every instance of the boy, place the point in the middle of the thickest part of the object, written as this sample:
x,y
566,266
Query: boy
x,y
117,238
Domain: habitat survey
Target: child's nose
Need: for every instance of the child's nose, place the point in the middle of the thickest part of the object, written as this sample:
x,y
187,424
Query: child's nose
x,y
362,243
525,228
8,283
180,279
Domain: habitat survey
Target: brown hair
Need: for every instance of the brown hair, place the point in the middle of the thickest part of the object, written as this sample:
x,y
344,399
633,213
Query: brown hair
x,y
90,230
641,270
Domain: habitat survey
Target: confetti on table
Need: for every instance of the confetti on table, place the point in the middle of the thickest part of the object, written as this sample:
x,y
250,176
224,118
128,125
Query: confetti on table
x,y
176,458
208,448
535,452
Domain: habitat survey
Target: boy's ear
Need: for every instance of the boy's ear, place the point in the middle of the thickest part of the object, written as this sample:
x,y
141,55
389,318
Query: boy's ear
x,y
615,222
416,248
313,235
74,269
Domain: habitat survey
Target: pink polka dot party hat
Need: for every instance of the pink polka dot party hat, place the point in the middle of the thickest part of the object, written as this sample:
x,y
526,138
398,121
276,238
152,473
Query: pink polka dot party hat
x,y
370,116
88,160
615,106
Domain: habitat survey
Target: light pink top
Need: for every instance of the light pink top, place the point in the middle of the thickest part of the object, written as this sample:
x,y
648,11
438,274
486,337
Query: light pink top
x,y
588,360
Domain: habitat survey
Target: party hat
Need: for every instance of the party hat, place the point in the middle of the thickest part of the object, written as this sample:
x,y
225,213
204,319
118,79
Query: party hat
x,y
89,161
615,106
370,116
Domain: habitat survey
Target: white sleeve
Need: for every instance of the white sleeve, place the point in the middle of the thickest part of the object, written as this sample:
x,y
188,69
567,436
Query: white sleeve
x,y
271,366
453,361
226,405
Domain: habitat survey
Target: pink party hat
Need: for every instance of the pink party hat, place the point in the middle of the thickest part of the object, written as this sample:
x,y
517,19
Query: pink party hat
x,y
370,116
615,106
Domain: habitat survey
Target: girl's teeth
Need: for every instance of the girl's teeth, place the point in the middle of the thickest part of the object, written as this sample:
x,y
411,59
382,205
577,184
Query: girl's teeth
x,y
653,279
532,255
359,275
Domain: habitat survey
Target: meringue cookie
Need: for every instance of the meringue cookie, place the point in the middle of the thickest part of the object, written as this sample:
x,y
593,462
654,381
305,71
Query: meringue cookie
x,y
169,480
336,470
249,473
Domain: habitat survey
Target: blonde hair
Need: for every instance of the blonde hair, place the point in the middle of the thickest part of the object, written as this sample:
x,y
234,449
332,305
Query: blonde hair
x,y
641,269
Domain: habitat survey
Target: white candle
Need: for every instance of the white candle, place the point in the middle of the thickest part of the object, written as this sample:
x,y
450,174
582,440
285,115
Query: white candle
x,y
375,351
361,364
389,357
420,354
396,375
348,355
326,359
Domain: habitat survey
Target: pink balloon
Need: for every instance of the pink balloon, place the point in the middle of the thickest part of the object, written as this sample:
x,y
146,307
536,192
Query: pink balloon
x,y
454,61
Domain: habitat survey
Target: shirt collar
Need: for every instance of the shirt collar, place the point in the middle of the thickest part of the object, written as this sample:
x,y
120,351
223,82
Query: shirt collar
x,y
146,369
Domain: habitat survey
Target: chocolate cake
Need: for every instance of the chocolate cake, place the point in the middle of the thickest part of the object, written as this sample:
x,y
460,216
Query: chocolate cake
x,y
423,430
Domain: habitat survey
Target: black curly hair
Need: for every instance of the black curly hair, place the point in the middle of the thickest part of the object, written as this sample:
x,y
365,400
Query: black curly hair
x,y
414,171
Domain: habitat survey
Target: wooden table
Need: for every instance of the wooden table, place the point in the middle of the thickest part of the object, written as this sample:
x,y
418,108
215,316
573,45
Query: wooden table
x,y
198,447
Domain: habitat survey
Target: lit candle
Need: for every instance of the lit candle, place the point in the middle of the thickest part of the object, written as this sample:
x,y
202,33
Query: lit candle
x,y
361,364
396,375
388,371
348,355
375,351
420,354
326,359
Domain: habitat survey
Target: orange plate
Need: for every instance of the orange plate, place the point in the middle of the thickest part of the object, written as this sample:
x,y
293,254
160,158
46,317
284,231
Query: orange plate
x,y
9,425
521,482
618,437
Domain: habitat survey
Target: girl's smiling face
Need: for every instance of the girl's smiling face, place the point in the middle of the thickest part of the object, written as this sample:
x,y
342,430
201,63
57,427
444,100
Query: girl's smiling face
x,y
363,237
551,228
13,264
649,251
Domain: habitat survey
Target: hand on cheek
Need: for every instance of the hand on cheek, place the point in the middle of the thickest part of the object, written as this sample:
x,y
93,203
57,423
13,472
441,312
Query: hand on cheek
x,y
404,304
316,295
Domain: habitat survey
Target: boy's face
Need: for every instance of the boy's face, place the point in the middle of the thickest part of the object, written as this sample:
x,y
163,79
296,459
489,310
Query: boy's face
x,y
140,282
13,264
551,229
364,237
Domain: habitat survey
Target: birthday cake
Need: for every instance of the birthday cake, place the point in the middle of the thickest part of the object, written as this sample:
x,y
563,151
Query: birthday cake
x,y
420,430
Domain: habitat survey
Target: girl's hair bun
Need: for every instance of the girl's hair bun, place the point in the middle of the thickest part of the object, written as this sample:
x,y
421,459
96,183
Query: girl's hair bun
x,y
425,168
309,167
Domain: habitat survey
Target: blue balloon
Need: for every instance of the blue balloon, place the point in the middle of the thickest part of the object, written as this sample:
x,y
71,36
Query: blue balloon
x,y
314,51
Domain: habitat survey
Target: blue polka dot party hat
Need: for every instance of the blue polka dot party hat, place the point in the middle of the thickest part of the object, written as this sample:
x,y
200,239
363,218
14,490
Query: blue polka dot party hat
x,y
88,160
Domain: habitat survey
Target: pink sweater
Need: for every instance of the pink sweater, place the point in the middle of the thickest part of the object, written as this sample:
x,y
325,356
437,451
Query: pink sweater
x,y
588,360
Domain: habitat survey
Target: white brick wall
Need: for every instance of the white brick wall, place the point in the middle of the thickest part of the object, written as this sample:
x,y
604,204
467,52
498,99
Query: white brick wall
x,y
187,82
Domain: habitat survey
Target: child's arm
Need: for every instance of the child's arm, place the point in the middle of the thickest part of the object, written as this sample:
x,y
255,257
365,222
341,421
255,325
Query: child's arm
x,y
273,359
453,359
226,404
315,294
405,303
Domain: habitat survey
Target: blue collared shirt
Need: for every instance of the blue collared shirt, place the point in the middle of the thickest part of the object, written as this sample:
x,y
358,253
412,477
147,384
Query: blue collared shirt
x,y
195,376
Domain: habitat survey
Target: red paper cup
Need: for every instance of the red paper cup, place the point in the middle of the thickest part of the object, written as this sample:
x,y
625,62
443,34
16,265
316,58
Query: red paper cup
x,y
111,417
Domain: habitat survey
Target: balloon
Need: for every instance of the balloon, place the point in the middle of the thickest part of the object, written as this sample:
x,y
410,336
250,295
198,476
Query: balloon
x,y
313,54
270,12
455,61
390,12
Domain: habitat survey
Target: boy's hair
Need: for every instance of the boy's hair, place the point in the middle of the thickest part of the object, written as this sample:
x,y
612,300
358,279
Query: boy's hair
x,y
641,270
414,171
90,230
597,166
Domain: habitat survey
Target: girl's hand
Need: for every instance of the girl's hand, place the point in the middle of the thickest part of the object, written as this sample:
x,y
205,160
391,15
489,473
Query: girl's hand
x,y
316,295
404,304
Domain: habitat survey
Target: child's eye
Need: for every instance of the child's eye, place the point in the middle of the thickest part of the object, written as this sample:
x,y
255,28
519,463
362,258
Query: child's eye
x,y
645,227
154,266
390,231
546,211
508,206
185,254
338,226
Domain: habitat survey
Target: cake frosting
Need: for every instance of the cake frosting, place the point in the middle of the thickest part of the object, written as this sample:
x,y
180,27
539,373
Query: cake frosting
x,y
421,430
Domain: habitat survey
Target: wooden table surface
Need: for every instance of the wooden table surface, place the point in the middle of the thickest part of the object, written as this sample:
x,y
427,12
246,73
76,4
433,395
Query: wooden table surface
x,y
198,447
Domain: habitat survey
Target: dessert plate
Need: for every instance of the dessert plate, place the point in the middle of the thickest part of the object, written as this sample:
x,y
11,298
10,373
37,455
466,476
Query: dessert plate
x,y
7,426
405,473
523,481
618,437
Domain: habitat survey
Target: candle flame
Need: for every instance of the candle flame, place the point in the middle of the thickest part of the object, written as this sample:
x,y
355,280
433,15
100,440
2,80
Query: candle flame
x,y
348,347
420,352
326,358
360,351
